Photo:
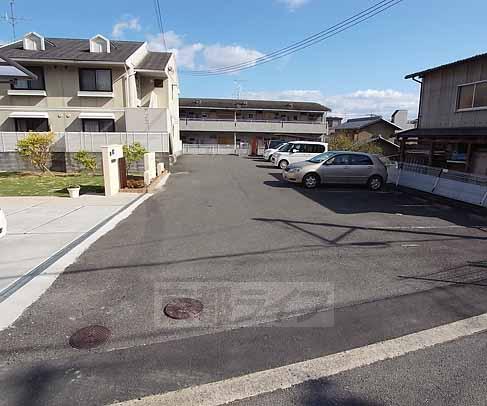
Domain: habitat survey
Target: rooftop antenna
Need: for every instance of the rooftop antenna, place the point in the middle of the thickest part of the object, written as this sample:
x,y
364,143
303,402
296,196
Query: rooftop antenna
x,y
238,88
12,19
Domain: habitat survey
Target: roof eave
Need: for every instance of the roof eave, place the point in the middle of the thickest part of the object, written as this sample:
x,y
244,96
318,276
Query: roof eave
x,y
68,61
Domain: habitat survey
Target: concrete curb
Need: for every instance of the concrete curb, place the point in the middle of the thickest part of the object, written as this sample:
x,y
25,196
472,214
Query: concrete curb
x,y
29,288
159,182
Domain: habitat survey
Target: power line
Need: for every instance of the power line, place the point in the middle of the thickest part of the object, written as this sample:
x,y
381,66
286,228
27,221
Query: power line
x,y
307,39
160,23
321,36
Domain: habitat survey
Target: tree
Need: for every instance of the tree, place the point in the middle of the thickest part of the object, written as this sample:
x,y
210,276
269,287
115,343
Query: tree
x,y
36,147
86,160
345,143
133,153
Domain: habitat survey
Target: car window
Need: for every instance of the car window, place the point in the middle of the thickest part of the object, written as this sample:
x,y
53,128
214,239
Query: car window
x,y
363,160
286,148
319,149
340,160
299,148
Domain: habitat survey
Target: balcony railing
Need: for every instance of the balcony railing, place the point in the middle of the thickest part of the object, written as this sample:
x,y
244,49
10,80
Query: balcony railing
x,y
251,125
92,141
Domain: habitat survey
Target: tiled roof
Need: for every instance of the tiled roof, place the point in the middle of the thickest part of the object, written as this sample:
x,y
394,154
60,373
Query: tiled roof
x,y
155,61
72,50
252,104
448,65
361,123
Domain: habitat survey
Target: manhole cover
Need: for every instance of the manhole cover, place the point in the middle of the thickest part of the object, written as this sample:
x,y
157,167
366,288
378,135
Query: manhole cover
x,y
183,308
89,337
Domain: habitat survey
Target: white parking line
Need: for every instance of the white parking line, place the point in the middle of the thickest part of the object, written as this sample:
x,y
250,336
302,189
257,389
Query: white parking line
x,y
259,383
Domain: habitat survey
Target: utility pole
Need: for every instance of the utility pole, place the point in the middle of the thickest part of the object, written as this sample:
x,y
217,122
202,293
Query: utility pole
x,y
12,19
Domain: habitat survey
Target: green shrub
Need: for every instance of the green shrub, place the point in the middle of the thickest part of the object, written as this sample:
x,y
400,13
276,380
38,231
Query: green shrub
x,y
345,143
35,147
133,153
86,160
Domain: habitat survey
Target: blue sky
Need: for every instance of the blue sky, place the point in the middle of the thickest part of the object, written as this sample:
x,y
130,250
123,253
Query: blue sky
x,y
358,72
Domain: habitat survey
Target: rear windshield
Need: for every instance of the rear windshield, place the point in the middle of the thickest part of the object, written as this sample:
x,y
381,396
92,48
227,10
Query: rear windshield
x,y
322,157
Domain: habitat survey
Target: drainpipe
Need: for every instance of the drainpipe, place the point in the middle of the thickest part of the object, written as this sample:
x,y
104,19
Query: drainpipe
x,y
420,100
127,96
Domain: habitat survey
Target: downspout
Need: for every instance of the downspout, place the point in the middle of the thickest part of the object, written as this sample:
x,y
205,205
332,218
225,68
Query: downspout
x,y
127,96
420,101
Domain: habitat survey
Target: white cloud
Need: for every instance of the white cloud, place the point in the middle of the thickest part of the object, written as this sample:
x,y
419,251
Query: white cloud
x,y
293,4
125,24
217,56
201,56
348,105
185,53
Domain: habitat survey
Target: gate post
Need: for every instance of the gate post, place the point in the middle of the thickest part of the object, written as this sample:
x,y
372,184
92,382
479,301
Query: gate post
x,y
111,176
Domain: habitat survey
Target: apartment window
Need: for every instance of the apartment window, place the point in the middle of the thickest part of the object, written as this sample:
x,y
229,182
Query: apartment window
x,y
98,125
251,116
95,80
31,124
472,96
459,153
23,84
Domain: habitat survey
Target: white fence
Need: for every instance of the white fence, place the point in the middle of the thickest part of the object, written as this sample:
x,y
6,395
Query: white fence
x,y
209,149
442,182
219,149
91,142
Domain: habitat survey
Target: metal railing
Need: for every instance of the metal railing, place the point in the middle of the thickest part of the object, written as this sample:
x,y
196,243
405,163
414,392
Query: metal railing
x,y
227,120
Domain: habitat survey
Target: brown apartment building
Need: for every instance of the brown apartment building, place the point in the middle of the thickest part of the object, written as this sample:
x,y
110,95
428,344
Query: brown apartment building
x,y
452,122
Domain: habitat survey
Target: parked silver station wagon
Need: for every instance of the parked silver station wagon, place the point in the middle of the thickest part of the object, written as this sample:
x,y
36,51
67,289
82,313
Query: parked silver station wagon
x,y
338,167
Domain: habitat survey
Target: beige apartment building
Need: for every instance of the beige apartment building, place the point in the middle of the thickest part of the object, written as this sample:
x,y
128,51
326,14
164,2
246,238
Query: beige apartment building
x,y
252,122
91,92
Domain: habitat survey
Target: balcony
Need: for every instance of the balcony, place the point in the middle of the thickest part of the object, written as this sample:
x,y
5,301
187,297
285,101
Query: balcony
x,y
253,126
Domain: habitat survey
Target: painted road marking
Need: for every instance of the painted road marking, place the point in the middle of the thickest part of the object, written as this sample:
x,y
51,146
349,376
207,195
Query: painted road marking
x,y
259,383
410,245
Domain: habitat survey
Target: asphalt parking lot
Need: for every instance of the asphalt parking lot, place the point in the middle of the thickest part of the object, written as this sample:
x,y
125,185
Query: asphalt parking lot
x,y
377,260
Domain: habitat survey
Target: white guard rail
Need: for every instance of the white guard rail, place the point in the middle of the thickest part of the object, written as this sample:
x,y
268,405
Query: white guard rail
x,y
460,186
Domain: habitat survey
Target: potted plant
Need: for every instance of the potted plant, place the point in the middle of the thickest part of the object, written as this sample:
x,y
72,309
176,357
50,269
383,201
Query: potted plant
x,y
73,191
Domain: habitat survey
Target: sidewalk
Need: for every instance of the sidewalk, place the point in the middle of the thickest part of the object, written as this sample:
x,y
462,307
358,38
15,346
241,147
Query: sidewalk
x,y
38,227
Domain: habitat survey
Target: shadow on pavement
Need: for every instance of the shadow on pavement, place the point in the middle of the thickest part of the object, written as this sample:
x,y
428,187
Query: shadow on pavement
x,y
352,199
325,393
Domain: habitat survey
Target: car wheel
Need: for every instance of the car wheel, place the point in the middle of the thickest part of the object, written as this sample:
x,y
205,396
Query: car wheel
x,y
283,164
311,181
375,183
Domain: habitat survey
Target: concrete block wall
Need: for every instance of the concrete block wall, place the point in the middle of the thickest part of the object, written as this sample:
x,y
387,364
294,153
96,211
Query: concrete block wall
x,y
65,162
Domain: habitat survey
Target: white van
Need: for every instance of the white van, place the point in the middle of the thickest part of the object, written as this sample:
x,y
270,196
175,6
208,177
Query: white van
x,y
297,151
